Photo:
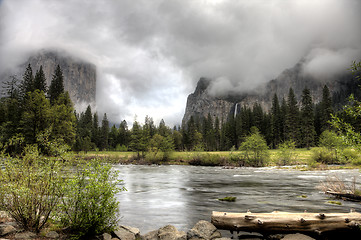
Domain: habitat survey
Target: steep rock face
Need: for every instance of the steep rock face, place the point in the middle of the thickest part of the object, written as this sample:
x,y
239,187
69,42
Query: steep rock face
x,y
200,103
79,76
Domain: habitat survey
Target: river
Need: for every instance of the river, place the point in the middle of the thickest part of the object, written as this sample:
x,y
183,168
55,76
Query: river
x,y
183,195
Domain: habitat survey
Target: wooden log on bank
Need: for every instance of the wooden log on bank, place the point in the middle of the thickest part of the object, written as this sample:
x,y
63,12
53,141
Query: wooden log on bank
x,y
345,196
286,222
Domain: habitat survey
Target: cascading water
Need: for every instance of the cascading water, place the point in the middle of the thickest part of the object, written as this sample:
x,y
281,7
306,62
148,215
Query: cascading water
x,y
235,110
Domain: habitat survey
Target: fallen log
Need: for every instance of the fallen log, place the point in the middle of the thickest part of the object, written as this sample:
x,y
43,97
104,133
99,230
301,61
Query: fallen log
x,y
286,222
345,196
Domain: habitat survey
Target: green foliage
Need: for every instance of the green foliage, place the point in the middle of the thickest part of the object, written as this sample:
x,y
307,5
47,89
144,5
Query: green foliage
x,y
160,144
323,155
89,206
333,143
40,80
206,159
255,149
57,85
286,153
29,188
121,148
307,129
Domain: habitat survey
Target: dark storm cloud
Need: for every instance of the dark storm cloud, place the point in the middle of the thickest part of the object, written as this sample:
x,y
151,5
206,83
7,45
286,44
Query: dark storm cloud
x,y
150,54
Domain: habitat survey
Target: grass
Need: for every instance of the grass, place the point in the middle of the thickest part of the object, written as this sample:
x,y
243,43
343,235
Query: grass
x,y
301,158
228,199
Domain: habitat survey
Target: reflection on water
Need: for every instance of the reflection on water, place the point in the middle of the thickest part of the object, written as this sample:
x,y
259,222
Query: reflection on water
x,y
183,195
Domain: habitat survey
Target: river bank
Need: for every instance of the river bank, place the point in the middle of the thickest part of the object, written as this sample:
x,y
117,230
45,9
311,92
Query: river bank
x,y
202,230
302,159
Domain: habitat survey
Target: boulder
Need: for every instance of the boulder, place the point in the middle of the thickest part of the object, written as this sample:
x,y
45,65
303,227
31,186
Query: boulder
x,y
297,236
25,235
127,233
170,232
153,235
203,230
107,236
52,234
6,229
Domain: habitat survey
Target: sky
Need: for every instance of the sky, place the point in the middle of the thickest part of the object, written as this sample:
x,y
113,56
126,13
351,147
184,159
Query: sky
x,y
151,53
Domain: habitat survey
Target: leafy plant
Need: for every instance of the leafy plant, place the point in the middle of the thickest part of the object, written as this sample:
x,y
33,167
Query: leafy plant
x,y
29,188
255,148
286,153
89,206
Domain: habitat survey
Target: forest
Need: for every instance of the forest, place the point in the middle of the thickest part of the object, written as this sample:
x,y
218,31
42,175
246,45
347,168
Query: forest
x,y
31,112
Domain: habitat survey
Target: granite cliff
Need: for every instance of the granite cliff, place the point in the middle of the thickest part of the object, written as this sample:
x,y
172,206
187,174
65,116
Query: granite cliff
x,y
79,75
201,102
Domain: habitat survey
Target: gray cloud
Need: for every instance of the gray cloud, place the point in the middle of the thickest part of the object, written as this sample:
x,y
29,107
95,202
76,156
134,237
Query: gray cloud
x,y
150,54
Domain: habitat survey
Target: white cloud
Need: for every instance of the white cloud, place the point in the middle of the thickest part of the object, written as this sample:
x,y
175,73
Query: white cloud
x,y
150,54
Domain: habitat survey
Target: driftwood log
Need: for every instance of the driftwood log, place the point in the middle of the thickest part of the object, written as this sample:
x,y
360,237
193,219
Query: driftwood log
x,y
345,196
286,222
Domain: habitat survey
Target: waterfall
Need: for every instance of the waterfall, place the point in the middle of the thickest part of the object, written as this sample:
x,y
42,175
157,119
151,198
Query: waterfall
x,y
235,110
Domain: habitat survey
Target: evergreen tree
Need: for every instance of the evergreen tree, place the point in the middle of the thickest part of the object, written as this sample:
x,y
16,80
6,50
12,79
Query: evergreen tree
x,y
325,109
292,117
63,119
113,137
36,117
139,140
27,84
95,132
57,85
307,120
40,80
104,133
123,134
276,122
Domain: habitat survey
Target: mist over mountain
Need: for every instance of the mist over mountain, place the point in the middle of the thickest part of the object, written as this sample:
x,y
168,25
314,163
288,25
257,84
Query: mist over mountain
x,y
79,75
210,96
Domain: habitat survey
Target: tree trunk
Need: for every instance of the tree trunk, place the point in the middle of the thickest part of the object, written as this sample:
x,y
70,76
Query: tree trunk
x,y
286,222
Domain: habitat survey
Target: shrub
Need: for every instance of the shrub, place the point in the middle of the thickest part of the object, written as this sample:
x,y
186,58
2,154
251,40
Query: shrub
x,y
255,149
323,155
286,153
207,159
349,155
29,188
89,206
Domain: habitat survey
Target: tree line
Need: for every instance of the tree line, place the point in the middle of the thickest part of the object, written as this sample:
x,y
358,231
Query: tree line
x,y
31,112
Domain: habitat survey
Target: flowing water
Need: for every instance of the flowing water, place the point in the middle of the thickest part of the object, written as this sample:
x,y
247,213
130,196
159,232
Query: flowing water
x,y
183,195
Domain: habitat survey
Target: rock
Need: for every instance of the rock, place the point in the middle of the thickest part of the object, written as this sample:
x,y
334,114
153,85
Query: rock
x,y
124,234
170,232
6,229
153,235
25,235
203,230
133,230
276,236
297,236
52,234
107,236
246,235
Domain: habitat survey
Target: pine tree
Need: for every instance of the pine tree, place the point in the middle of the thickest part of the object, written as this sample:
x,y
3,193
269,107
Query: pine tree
x,y
292,117
57,85
326,109
307,120
123,134
63,119
27,84
95,132
40,80
36,116
276,121
104,133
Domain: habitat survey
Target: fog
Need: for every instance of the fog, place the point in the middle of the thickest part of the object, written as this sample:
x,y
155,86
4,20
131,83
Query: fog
x,y
150,54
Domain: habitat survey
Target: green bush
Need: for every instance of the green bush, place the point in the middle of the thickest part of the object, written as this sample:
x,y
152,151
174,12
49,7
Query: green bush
x,y
29,188
324,156
349,155
89,206
286,153
207,159
255,149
